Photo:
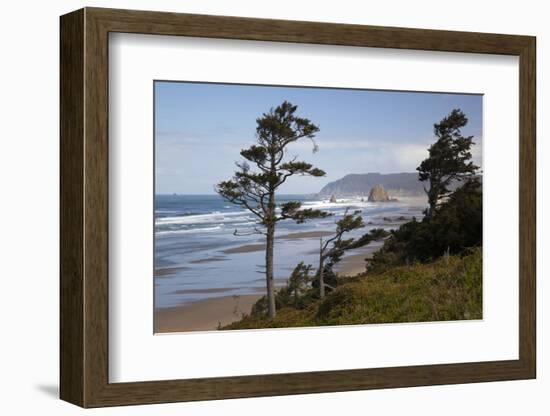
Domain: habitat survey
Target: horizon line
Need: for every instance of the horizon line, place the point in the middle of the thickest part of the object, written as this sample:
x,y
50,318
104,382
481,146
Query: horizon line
x,y
288,193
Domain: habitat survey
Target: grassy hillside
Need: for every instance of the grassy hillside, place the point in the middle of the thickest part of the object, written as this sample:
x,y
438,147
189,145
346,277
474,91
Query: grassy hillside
x,y
447,289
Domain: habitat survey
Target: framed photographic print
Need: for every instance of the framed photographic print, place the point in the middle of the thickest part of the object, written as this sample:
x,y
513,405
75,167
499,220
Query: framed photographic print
x,y
255,207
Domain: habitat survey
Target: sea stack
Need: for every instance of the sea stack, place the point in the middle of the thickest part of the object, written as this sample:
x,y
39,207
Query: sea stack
x,y
333,199
378,194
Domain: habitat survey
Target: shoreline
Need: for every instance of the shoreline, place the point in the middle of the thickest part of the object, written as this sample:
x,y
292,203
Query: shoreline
x,y
208,314
354,264
203,315
220,256
221,307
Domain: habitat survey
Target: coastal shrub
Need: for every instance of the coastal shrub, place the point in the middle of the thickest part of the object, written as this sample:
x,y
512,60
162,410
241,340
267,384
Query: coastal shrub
x,y
297,293
447,289
302,288
454,227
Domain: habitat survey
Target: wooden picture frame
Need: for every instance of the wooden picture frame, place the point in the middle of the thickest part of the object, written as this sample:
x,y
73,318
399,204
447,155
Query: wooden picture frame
x,y
84,207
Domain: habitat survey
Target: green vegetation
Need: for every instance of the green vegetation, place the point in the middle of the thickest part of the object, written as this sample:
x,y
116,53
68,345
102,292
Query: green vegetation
x,y
447,289
449,159
454,227
332,249
427,270
302,287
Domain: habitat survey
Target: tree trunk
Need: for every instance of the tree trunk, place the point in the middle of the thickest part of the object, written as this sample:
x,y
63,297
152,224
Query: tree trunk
x,y
270,240
269,270
321,267
433,197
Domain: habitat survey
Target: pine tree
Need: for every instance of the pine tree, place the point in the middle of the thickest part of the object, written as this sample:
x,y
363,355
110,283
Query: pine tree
x,y
256,190
449,159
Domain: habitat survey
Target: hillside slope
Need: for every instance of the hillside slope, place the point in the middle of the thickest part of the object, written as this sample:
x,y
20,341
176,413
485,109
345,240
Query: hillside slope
x,y
445,290
396,184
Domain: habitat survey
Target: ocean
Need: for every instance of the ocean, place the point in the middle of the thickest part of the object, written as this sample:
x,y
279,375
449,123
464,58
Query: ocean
x,y
198,256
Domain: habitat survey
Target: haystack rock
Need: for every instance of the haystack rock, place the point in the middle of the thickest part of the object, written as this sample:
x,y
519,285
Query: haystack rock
x,y
378,194
333,199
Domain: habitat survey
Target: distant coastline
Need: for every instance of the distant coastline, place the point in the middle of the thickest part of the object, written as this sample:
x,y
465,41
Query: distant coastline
x,y
360,184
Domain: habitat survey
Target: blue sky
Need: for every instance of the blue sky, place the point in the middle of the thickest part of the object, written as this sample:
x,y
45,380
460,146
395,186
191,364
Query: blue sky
x,y
200,129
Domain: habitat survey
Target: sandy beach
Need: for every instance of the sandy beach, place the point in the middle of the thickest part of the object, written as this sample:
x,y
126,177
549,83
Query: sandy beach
x,y
203,315
208,314
305,234
353,264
